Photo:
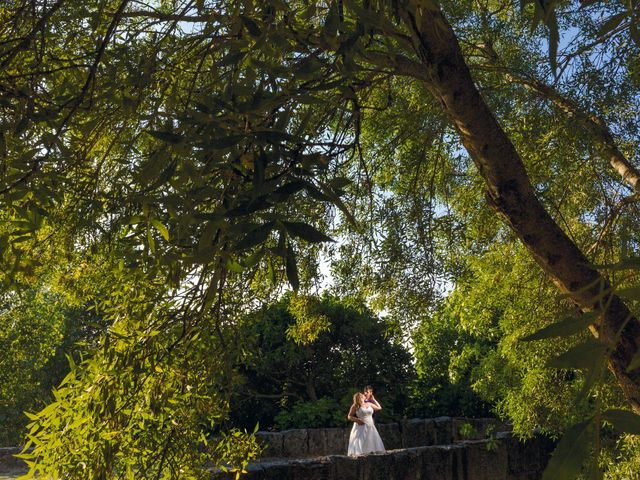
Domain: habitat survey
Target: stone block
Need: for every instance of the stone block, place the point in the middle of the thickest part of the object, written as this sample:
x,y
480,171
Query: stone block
x,y
335,442
8,461
407,464
483,464
318,468
529,458
316,441
347,434
437,462
390,434
443,430
268,469
344,467
418,433
294,443
459,463
376,466
272,443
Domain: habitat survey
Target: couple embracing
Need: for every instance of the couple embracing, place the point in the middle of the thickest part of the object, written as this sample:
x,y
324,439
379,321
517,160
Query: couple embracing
x,y
364,436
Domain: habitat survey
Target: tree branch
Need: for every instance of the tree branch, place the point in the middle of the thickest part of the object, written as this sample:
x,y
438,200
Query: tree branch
x,y
591,122
509,189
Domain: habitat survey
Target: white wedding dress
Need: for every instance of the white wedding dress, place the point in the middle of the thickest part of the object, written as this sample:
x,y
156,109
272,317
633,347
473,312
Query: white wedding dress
x,y
364,438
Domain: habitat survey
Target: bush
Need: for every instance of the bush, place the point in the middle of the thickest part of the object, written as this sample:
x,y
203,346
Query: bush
x,y
324,412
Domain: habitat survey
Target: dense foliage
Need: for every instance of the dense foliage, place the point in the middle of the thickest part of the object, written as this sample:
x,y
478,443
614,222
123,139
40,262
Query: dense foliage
x,y
38,329
287,384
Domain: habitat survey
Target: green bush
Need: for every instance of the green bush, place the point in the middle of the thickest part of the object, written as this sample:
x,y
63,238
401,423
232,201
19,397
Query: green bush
x,y
324,412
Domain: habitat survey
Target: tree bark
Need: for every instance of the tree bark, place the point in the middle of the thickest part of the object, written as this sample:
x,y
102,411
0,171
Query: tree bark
x,y
448,78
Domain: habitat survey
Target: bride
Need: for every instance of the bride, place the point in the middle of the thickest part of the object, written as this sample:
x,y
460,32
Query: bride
x,y
364,436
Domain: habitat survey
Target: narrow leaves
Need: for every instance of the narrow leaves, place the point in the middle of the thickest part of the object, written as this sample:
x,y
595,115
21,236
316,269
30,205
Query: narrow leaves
x,y
256,236
584,355
306,232
161,228
623,420
168,137
563,328
292,268
635,362
571,453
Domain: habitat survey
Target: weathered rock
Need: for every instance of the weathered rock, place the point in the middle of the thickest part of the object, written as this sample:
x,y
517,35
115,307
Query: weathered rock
x,y
344,467
271,442
376,466
440,462
407,464
465,460
443,431
311,469
317,442
295,443
526,459
418,432
484,464
391,435
335,441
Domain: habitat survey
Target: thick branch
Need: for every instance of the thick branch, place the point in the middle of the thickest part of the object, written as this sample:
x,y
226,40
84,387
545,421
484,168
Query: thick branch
x,y
509,189
595,125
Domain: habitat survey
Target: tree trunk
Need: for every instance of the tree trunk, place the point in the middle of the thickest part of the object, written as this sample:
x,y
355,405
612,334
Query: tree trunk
x,y
509,189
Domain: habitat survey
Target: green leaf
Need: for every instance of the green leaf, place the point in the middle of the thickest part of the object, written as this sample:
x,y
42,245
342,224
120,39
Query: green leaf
x,y
337,201
234,266
592,375
256,236
635,362
205,254
611,23
371,18
160,228
253,259
168,137
165,175
224,142
339,183
563,328
230,59
271,272
571,453
273,136
306,232
245,208
629,293
332,21
292,268
251,26
623,420
291,188
584,355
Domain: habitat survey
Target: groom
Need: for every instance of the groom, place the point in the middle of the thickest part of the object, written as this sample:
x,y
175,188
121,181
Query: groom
x,y
368,396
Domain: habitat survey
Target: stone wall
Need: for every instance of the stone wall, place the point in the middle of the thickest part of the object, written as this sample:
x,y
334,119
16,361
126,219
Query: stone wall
x,y
430,449
466,460
406,434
